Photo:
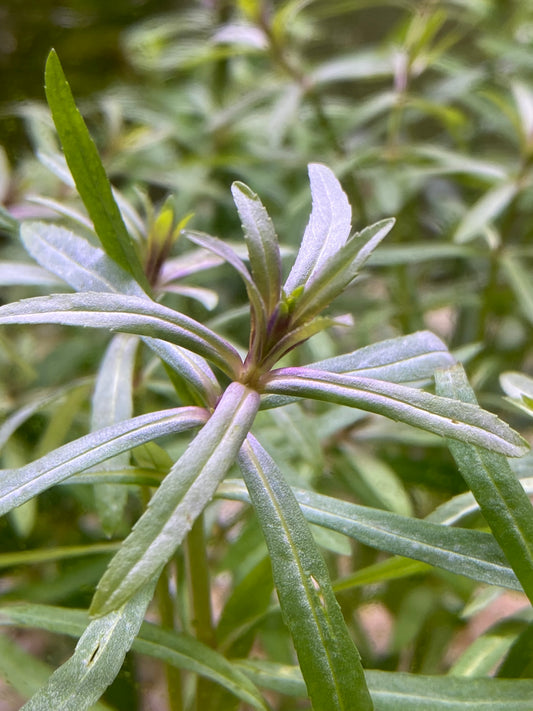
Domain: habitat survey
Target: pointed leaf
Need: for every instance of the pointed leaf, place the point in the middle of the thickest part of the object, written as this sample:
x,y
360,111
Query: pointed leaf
x,y
262,243
340,268
20,485
218,247
173,648
327,230
485,210
398,691
184,493
129,314
403,359
330,663
97,659
443,416
504,504
471,553
88,172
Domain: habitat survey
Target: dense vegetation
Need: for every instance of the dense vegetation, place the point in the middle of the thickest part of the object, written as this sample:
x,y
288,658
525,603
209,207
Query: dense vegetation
x,y
224,257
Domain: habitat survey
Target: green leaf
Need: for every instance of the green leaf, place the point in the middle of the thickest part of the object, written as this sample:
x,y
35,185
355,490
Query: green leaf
x,y
339,269
487,209
97,659
184,493
486,652
218,247
474,554
129,314
20,485
328,658
23,274
113,402
173,648
443,416
503,502
327,230
88,172
397,691
403,359
262,243
75,260
520,282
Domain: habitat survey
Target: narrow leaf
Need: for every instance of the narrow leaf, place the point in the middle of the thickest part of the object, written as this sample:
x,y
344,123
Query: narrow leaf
x,y
441,415
88,172
327,230
24,274
184,493
20,485
221,249
173,648
96,661
339,269
504,504
262,243
330,663
403,359
129,314
397,691
473,554
75,260
487,209
113,402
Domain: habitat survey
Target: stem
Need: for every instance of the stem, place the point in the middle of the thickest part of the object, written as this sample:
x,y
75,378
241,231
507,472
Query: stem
x,y
200,596
166,613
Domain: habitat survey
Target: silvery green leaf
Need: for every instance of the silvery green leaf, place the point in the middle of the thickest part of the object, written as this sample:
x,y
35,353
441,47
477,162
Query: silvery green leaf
x,y
403,359
262,243
112,402
441,415
223,250
398,691
174,648
193,369
327,230
129,314
75,260
23,274
471,553
182,496
339,269
485,210
20,485
97,659
39,401
504,503
330,663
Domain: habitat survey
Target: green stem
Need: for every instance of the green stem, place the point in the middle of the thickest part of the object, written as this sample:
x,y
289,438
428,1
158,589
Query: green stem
x,y
166,613
200,596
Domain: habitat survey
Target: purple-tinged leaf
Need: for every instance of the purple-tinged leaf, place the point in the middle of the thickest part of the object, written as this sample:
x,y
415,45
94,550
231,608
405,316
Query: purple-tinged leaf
x,y
327,230
262,243
443,416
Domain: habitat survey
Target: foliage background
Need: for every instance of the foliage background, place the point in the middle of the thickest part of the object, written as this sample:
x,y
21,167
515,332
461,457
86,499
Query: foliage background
x,y
425,112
